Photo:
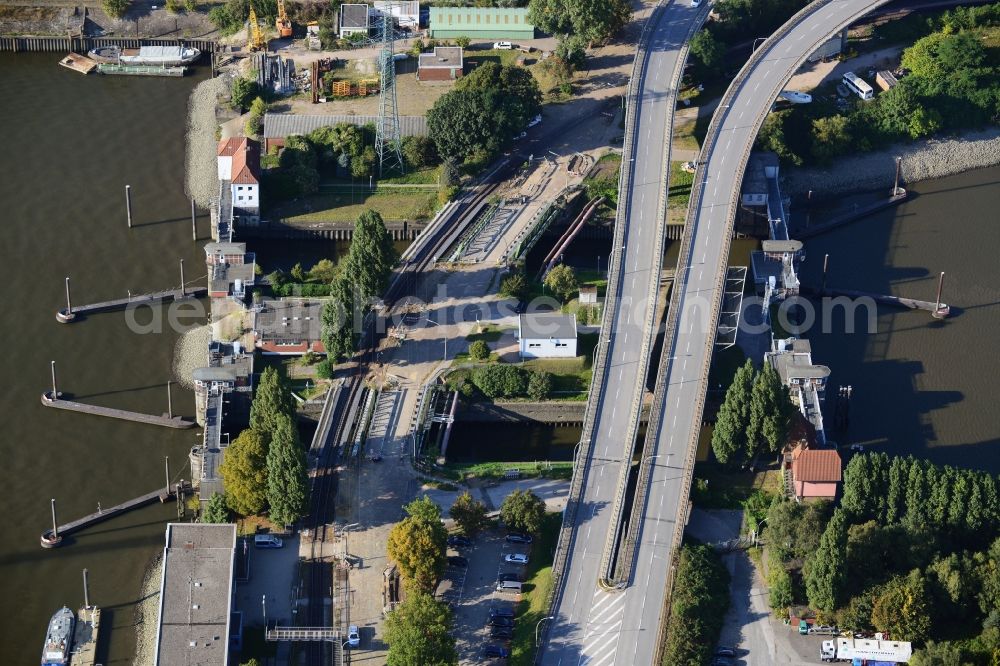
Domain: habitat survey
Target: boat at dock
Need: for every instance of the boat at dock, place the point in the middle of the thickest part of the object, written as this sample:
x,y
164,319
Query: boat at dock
x,y
58,638
160,56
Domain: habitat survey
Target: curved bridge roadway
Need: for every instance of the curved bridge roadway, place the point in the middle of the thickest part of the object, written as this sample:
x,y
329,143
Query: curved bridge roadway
x,y
697,295
588,621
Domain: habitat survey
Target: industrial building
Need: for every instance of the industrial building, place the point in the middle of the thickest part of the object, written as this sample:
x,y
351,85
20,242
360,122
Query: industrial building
x,y
196,593
444,64
405,13
479,23
353,20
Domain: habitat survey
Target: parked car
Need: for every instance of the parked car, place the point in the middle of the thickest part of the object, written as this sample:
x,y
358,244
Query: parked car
x,y
725,651
503,46
534,121
500,622
502,632
493,652
518,537
516,558
353,637
501,612
509,576
459,541
457,561
267,541
823,630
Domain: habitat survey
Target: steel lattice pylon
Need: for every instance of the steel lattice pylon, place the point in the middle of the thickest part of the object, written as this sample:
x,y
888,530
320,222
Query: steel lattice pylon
x,y
387,138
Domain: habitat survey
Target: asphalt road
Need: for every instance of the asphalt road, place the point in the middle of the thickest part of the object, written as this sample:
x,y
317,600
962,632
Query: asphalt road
x,y
588,621
685,376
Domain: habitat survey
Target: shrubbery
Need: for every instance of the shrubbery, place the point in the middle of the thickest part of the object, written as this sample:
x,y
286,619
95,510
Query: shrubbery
x,y
500,381
697,608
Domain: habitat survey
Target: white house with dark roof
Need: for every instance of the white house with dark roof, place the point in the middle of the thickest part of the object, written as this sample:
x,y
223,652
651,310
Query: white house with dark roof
x,y
354,19
546,335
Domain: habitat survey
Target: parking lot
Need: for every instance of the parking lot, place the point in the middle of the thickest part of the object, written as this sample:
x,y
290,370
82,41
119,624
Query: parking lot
x,y
471,591
272,583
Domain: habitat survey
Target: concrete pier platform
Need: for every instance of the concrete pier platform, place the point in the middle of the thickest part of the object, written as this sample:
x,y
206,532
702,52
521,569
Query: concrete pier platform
x,y
79,63
138,417
65,316
88,625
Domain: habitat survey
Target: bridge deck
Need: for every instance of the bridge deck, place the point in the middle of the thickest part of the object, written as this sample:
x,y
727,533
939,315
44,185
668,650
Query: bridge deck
x,y
96,410
160,494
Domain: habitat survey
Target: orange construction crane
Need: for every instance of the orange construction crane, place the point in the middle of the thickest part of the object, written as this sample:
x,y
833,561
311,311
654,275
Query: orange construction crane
x,y
282,23
255,38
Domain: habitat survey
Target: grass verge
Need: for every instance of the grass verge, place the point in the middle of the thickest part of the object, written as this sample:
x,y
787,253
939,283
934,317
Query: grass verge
x,y
497,470
347,206
537,588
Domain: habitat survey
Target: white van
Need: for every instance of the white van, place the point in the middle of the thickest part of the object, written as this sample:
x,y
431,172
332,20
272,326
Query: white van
x,y
267,541
503,46
509,586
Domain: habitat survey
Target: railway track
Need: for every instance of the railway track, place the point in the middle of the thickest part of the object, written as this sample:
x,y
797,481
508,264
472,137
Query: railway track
x,y
402,283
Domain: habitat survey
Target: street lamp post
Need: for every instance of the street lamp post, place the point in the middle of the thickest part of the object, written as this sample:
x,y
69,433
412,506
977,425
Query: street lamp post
x,y
445,337
538,624
759,39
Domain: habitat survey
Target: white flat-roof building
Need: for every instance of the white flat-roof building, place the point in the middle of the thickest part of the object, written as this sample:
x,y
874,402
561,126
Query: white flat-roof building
x,y
406,13
547,335
353,19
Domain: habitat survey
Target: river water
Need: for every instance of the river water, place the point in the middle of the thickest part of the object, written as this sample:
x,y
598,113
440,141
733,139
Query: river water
x,y
71,144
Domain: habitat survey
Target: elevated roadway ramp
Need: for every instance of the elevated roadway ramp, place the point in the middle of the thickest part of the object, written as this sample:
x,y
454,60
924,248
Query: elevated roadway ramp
x,y
675,422
588,618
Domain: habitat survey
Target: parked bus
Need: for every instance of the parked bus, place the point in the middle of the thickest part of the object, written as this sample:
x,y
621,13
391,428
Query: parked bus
x,y
858,86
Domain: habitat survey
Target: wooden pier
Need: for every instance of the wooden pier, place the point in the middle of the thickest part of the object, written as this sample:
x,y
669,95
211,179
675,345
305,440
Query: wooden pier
x,y
165,420
53,538
79,63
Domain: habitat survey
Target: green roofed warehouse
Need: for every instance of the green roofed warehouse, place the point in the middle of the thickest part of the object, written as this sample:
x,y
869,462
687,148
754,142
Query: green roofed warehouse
x,y
481,23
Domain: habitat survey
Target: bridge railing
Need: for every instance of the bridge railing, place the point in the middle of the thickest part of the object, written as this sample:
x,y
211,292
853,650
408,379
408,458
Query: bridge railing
x,y
600,368
626,554
694,208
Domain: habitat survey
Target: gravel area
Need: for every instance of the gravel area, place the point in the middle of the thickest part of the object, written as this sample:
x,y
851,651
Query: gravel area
x,y
200,168
146,612
190,352
933,158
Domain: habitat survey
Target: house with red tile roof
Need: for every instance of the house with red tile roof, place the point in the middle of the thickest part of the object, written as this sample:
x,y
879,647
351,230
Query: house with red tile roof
x,y
239,172
815,473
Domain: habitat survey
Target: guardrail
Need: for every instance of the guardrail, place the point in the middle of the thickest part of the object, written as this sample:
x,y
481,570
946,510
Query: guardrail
x,y
694,207
600,369
623,564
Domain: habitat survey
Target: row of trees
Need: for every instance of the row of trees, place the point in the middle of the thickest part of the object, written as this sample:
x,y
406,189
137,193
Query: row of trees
x,y
899,555
499,380
265,466
364,276
593,21
484,112
698,605
754,417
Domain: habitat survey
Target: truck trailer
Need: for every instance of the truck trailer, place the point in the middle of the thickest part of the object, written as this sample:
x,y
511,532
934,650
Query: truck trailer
x,y
864,652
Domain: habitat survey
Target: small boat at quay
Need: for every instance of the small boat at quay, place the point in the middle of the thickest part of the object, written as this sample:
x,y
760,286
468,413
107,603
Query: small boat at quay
x,y
163,56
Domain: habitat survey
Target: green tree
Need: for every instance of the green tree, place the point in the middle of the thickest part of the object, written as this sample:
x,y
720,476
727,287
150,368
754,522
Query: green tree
x,y
418,631
462,42
363,164
417,545
523,510
323,270
924,122
772,137
729,437
770,412
514,286
287,483
449,176
339,319
938,654
901,610
479,350
243,92
707,52
779,583
469,514
244,473
423,508
593,20
418,151
539,385
255,123
190,6
115,8
825,570
216,510
371,257
272,400
499,381
698,606
830,137
571,49
562,282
